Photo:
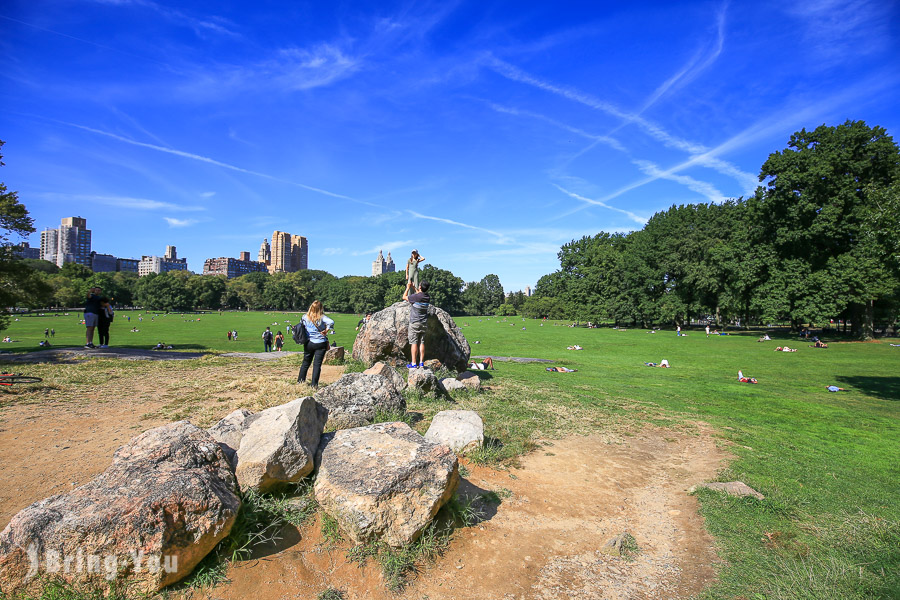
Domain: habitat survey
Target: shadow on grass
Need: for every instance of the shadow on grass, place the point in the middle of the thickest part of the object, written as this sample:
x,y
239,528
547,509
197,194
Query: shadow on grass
x,y
883,388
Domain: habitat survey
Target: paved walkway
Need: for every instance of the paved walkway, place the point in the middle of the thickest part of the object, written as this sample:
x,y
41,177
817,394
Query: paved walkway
x,y
70,354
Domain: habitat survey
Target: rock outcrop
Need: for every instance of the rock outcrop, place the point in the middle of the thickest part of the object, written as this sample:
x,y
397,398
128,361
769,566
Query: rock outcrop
x,y
461,430
385,338
353,400
280,444
388,372
229,431
384,482
166,500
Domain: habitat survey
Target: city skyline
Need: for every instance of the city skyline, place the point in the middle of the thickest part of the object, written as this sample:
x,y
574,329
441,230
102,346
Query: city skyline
x,y
485,135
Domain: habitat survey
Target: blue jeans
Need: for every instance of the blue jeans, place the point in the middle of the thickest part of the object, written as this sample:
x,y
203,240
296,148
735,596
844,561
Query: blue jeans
x,y
313,352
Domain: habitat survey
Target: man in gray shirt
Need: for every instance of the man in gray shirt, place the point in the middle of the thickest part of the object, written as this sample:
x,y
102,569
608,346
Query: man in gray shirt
x,y
418,319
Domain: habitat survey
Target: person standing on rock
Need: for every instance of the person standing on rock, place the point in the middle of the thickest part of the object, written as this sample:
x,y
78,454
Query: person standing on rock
x,y
418,319
267,338
317,325
412,268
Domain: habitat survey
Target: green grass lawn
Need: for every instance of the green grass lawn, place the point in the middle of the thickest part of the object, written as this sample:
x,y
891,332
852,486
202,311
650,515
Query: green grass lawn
x,y
828,463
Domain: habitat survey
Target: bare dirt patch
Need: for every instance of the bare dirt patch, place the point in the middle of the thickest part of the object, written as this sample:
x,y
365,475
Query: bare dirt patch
x,y
544,540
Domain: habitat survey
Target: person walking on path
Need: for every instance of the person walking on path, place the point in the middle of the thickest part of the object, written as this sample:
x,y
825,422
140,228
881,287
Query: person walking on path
x,y
106,318
418,319
52,332
412,268
91,316
317,325
279,341
46,332
267,338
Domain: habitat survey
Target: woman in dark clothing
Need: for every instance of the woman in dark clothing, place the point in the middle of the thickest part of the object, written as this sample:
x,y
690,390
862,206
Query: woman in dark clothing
x,y
105,319
317,325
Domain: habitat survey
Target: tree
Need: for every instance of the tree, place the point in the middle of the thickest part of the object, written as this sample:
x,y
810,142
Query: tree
x,y
19,285
445,290
813,213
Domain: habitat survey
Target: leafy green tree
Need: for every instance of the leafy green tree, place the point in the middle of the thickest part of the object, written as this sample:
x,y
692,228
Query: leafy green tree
x,y
41,266
207,290
445,290
813,213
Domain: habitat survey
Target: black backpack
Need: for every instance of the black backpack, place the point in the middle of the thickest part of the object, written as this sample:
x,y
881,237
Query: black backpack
x,y
267,336
300,334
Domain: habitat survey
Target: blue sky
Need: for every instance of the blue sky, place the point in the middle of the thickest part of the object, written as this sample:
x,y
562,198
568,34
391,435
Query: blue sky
x,y
485,134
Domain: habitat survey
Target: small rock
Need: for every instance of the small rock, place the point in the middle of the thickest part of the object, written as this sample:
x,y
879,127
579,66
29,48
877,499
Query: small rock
x,y
334,356
470,380
424,380
229,431
732,488
449,384
461,430
353,400
279,446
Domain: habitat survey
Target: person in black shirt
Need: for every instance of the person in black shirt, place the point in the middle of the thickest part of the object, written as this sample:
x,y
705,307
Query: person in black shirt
x,y
91,316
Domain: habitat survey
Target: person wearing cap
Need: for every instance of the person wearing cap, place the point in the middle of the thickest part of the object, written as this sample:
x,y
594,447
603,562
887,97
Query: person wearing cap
x,y
412,268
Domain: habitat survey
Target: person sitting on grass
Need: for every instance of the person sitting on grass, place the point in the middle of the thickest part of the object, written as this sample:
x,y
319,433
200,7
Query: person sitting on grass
x,y
764,338
484,365
561,370
834,388
743,379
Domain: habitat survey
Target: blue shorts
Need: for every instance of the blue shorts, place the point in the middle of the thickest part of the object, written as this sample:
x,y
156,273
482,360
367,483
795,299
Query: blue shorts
x,y
90,319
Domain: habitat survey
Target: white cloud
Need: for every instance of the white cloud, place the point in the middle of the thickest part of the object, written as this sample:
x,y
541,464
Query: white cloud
x,y
207,194
634,217
701,187
332,251
179,222
124,202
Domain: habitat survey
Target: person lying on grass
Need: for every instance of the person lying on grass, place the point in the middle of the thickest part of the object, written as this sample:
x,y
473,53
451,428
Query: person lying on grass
x,y
743,379
664,364
819,344
834,388
487,363
575,347
785,349
561,370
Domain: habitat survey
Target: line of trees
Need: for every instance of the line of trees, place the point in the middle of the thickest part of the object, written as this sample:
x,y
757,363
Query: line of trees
x,y
181,290
819,241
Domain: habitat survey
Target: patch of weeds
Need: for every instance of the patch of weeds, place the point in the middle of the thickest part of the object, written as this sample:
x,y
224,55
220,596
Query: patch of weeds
x,y
331,530
623,545
58,589
490,452
463,471
495,496
351,365
390,416
330,594
464,512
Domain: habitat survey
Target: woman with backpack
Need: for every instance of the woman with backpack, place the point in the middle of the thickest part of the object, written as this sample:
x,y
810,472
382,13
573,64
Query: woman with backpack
x,y
316,325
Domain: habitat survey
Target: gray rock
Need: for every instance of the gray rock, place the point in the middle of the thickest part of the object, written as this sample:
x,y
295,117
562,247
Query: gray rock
x,y
449,384
732,488
334,356
424,380
229,431
461,430
385,338
279,445
388,372
470,380
353,400
384,482
166,500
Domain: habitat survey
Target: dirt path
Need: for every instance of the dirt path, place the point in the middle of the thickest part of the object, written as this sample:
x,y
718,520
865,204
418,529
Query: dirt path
x,y
544,540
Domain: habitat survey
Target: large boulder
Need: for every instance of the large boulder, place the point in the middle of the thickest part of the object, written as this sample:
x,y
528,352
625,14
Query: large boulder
x,y
461,430
424,380
229,431
280,444
166,500
334,356
385,338
384,482
388,372
355,398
